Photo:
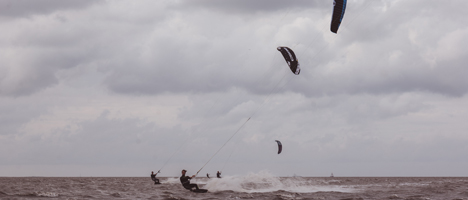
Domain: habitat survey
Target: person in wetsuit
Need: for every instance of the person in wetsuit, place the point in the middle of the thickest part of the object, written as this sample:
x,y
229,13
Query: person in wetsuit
x,y
153,177
207,175
185,180
218,174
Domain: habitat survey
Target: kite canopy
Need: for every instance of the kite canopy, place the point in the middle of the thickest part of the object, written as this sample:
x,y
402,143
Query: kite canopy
x,y
290,58
280,146
339,7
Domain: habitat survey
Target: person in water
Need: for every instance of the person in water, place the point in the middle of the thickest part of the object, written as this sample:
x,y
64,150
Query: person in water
x,y
153,177
207,175
185,180
218,174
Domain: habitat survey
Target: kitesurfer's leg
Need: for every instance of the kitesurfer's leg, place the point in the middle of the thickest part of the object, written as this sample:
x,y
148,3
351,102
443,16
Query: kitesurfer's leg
x,y
191,186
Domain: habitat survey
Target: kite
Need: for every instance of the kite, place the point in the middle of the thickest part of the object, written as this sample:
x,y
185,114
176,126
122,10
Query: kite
x,y
339,7
290,58
280,146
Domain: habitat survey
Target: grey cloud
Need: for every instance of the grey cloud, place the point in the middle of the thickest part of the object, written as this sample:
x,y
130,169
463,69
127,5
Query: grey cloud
x,y
190,57
15,113
399,63
33,56
98,141
178,62
25,8
246,6
26,76
175,68
439,149
389,73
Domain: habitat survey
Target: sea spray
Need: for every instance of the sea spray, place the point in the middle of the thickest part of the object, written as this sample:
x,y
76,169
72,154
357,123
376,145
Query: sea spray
x,y
264,182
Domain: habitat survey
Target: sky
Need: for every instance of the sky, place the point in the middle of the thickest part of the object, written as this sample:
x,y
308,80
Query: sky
x,y
123,88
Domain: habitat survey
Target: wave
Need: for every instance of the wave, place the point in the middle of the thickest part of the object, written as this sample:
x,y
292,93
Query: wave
x,y
263,182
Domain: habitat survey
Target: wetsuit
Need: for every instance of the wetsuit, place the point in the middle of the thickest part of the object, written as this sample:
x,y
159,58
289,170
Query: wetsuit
x,y
153,177
218,175
185,180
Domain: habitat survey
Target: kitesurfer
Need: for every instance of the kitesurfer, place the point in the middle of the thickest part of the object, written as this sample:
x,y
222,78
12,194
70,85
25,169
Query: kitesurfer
x,y
207,175
185,180
218,174
153,177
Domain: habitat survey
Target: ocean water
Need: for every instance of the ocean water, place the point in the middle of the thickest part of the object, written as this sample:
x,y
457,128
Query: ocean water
x,y
253,186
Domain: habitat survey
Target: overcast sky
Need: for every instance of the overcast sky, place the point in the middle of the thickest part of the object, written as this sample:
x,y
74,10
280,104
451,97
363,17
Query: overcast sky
x,y
119,88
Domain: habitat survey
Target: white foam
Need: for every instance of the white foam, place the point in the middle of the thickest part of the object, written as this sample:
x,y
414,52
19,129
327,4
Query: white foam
x,y
172,180
263,182
46,194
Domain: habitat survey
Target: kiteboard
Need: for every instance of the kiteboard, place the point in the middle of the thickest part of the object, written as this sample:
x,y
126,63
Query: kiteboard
x,y
157,183
200,191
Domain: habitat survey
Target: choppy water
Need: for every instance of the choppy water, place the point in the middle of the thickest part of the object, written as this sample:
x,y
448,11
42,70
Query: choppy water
x,y
252,186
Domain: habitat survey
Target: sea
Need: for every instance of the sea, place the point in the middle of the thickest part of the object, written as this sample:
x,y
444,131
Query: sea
x,y
250,186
